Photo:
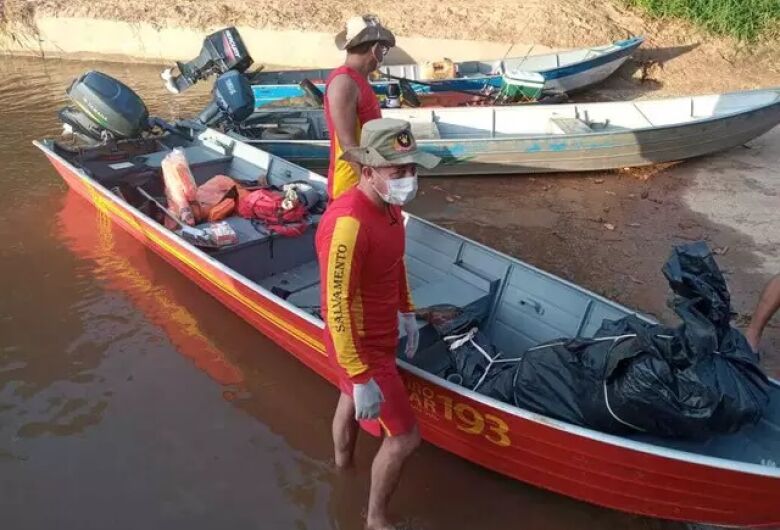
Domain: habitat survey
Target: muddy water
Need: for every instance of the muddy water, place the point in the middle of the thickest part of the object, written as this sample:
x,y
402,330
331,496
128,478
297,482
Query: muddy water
x,y
130,399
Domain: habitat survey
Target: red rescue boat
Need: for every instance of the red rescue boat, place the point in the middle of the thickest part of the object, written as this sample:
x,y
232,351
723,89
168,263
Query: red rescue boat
x,y
729,480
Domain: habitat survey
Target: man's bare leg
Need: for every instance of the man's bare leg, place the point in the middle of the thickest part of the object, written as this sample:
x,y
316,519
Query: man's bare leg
x,y
768,305
345,430
385,474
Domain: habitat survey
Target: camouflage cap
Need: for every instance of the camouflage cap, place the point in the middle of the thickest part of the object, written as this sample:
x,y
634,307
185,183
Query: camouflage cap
x,y
361,29
389,142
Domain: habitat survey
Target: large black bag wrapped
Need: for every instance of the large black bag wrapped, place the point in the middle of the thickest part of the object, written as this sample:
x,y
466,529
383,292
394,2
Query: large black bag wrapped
x,y
565,379
471,355
473,361
692,381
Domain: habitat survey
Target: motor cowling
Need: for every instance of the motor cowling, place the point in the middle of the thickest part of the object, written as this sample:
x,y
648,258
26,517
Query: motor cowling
x,y
222,51
233,100
104,107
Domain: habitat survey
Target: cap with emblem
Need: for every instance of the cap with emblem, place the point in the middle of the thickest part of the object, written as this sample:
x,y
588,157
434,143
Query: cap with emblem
x,y
362,29
389,142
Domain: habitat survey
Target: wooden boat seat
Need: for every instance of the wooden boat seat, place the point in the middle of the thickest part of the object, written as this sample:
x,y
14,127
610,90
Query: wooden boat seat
x,y
570,125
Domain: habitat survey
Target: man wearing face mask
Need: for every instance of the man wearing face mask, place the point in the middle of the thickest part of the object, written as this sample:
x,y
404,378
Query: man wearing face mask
x,y
349,99
360,248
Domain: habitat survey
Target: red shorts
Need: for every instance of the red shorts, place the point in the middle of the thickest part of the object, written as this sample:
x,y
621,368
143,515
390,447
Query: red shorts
x,y
395,415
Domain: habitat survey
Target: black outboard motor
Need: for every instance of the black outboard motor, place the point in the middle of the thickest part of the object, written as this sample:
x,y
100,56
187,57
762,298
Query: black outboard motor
x,y
233,100
104,108
222,51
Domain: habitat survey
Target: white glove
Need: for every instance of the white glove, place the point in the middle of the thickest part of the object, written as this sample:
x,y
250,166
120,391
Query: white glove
x,y
409,323
368,398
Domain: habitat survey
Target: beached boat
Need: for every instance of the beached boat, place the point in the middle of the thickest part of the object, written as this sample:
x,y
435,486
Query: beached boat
x,y
543,138
565,72
727,480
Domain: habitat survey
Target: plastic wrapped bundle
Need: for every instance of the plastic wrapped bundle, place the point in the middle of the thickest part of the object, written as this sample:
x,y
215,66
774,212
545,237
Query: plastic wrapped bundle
x,y
692,381
180,188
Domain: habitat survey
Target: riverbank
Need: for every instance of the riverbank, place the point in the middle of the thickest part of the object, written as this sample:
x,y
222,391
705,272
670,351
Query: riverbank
x,y
677,58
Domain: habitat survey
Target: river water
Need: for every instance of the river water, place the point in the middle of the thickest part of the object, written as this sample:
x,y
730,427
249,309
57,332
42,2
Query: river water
x,y
130,399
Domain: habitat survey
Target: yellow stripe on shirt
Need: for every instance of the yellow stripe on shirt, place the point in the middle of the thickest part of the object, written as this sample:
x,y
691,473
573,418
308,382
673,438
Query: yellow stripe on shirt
x,y
339,319
344,175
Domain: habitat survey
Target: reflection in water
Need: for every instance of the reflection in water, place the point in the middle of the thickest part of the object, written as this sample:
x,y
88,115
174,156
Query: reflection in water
x,y
131,399
90,234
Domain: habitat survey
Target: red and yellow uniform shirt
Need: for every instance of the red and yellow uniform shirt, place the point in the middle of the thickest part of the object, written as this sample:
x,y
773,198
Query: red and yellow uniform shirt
x,y
341,174
360,248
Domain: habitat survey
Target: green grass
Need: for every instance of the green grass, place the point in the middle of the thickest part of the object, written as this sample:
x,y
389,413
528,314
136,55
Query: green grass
x,y
746,20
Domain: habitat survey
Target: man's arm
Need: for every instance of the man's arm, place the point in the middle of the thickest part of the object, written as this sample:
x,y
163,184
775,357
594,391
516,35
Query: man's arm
x,y
343,260
767,306
342,97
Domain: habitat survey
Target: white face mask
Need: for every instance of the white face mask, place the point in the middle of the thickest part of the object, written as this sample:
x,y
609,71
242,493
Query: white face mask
x,y
399,191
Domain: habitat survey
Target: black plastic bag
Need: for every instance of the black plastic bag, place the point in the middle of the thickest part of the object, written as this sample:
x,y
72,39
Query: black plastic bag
x,y
499,383
565,379
473,361
702,377
471,355
691,381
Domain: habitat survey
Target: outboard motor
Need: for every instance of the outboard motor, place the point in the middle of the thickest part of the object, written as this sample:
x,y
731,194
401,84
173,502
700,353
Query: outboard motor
x,y
233,100
104,108
222,51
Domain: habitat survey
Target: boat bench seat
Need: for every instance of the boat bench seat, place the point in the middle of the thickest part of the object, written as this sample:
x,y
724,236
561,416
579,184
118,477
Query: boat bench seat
x,y
300,286
570,125
260,254
451,291
201,161
197,155
253,233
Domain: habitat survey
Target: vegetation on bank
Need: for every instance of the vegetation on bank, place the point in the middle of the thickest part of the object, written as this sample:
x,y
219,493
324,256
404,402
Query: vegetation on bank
x,y
746,20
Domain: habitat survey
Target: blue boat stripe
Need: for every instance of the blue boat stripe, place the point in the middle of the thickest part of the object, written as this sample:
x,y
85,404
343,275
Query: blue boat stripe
x,y
578,68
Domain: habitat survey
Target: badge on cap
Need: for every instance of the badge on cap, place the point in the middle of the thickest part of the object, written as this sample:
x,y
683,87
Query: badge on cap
x,y
404,142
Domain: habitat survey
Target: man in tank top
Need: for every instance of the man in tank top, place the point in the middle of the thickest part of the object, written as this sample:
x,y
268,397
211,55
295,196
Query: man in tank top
x,y
349,99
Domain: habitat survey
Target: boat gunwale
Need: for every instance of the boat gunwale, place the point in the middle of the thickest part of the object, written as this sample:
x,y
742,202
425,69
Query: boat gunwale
x,y
622,50
538,137
45,145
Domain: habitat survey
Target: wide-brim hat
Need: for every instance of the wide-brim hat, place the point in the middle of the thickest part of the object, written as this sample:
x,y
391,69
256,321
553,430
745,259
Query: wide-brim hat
x,y
362,29
389,142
